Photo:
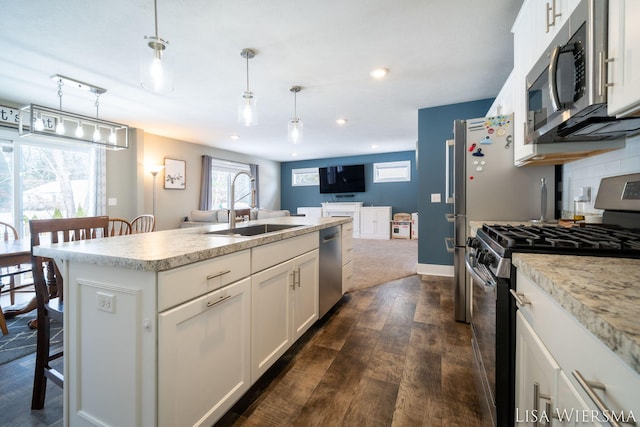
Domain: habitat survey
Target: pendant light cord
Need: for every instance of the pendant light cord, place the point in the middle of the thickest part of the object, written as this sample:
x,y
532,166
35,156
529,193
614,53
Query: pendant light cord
x,y
97,106
248,73
155,13
60,84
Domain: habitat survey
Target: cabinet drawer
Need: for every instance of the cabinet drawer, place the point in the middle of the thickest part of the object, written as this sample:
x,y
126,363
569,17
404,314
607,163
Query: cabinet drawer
x,y
570,342
271,254
190,281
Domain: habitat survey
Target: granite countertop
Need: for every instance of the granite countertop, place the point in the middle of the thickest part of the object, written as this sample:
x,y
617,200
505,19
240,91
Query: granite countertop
x,y
603,294
164,250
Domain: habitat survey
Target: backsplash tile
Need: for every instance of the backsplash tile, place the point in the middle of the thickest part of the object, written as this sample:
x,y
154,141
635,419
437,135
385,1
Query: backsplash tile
x,y
589,171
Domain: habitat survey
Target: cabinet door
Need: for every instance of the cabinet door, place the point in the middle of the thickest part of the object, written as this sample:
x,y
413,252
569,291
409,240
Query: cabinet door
x,y
305,292
536,377
624,55
374,222
270,316
571,410
203,356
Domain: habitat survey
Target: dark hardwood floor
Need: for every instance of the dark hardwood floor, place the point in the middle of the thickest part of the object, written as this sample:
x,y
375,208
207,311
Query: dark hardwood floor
x,y
390,355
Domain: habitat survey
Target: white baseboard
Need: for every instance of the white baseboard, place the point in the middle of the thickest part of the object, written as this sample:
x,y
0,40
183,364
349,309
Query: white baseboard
x,y
435,270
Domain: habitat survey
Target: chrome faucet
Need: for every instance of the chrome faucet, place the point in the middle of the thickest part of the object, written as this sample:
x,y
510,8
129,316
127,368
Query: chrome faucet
x,y
232,211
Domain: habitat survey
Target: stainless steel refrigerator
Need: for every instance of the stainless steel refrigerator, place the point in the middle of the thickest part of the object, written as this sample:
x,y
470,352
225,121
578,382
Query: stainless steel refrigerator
x,y
484,185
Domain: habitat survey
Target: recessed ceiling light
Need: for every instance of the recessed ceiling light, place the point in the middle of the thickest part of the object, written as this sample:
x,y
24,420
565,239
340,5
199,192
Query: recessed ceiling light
x,y
374,146
294,154
379,73
341,121
235,137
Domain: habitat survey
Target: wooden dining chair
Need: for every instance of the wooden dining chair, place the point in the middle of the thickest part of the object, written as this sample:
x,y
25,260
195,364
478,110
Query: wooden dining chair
x,y
8,274
145,223
50,305
119,227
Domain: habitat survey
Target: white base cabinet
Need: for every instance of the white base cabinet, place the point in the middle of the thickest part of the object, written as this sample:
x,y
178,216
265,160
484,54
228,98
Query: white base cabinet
x,y
375,222
198,384
180,347
552,350
288,305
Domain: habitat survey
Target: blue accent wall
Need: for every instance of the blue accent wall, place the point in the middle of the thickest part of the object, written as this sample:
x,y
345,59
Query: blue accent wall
x,y
435,126
400,195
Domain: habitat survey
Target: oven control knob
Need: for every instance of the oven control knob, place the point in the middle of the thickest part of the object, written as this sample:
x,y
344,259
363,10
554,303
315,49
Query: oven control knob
x,y
485,258
472,242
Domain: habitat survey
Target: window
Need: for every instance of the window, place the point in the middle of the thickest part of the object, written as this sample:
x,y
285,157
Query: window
x,y
392,171
304,177
222,173
49,180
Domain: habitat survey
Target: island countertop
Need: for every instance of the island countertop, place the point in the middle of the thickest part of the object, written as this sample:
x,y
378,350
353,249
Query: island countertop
x,y
603,294
167,249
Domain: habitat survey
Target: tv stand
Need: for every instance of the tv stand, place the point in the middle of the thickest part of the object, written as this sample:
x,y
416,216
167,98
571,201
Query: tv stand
x,y
351,209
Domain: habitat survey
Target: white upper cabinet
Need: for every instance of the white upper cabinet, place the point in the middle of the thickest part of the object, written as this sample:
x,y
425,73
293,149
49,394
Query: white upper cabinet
x,y
624,57
550,16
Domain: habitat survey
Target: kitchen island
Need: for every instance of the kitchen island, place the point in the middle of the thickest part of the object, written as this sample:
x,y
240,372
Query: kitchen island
x,y
579,315
172,327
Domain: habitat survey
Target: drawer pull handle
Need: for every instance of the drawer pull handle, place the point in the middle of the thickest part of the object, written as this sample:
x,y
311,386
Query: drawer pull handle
x,y
519,297
218,274
212,303
588,387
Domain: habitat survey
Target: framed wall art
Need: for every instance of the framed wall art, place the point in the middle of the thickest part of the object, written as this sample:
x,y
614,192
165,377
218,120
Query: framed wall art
x,y
175,174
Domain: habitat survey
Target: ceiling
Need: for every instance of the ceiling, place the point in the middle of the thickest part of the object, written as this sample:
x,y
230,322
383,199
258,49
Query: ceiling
x,y
437,53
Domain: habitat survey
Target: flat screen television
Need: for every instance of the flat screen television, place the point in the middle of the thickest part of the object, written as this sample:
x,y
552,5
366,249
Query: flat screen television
x,y
342,179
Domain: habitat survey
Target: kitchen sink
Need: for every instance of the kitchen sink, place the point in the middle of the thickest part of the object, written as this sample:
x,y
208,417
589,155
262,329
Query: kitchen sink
x,y
252,230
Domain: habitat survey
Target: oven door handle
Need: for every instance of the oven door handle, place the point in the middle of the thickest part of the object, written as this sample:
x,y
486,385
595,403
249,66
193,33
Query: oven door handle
x,y
486,282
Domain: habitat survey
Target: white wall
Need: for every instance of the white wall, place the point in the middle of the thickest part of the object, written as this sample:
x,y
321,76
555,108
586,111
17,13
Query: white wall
x,y
589,171
130,182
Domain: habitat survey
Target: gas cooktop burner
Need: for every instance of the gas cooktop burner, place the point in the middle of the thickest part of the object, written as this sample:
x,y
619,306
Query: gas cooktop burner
x,y
589,240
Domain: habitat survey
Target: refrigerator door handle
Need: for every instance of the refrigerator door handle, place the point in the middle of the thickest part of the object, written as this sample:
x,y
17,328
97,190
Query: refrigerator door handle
x,y
448,243
448,187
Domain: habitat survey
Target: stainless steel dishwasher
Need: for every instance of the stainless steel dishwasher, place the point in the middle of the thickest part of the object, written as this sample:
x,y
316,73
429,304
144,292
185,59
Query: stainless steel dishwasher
x,y
330,268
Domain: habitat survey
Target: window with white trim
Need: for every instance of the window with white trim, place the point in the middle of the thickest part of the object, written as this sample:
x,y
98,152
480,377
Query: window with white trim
x,y
392,171
48,179
304,177
222,173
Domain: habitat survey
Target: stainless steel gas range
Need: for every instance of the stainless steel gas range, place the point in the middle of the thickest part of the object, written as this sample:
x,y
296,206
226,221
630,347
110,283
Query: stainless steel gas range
x,y
488,261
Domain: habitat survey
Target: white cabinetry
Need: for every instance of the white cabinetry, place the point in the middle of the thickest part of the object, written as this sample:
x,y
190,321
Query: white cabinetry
x,y
285,296
536,376
624,57
553,349
347,256
203,356
375,222
351,209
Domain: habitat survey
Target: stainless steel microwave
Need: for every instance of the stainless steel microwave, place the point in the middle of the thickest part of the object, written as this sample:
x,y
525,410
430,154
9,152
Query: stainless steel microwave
x,y
567,87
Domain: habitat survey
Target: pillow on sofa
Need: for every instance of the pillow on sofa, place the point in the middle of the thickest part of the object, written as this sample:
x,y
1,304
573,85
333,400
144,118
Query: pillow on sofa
x,y
209,216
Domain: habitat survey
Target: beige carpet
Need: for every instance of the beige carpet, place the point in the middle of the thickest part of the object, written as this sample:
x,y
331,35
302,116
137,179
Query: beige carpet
x,y
380,261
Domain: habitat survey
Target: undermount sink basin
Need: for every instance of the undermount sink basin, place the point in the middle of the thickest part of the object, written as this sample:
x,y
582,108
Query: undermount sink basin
x,y
252,230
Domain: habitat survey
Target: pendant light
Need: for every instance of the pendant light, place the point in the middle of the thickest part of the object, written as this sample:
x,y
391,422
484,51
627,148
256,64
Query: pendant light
x,y
155,76
247,112
295,124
